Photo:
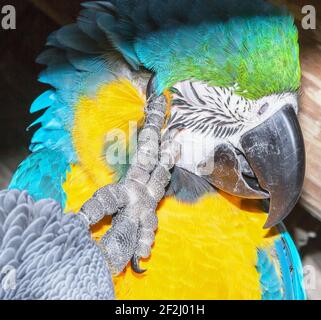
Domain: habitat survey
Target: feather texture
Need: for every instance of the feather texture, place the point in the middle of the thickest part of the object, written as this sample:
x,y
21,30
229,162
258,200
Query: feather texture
x,y
219,44
254,45
79,61
269,279
223,44
42,174
281,270
47,255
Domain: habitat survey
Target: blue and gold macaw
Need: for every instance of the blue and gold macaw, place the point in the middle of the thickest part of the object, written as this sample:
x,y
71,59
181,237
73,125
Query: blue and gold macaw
x,y
230,73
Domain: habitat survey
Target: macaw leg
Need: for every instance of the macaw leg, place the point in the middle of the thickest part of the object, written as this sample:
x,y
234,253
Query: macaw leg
x,y
135,198
106,201
148,222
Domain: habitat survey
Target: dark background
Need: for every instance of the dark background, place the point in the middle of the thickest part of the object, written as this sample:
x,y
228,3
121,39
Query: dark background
x,y
18,73
36,19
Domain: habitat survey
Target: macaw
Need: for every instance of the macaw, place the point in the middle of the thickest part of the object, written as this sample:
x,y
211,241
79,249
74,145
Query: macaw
x,y
228,74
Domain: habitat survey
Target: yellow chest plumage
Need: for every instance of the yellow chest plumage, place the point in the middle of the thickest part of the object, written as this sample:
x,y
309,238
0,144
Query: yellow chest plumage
x,y
207,250
204,250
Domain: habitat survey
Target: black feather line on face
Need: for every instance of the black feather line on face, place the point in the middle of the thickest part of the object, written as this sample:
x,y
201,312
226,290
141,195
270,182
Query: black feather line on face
x,y
210,117
196,95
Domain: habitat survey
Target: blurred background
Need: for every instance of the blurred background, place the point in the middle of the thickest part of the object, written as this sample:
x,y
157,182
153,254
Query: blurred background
x,y
19,87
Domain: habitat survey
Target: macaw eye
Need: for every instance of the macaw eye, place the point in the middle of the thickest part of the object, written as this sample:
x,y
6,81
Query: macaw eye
x,y
263,109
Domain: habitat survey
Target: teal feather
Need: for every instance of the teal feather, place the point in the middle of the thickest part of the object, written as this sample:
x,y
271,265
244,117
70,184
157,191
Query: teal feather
x,y
298,274
42,174
106,22
285,269
76,64
270,282
87,22
52,56
280,269
209,40
205,52
291,266
52,134
72,73
72,37
99,5
43,101
53,42
48,121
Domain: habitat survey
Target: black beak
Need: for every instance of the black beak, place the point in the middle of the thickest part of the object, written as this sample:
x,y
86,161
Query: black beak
x,y
275,152
270,165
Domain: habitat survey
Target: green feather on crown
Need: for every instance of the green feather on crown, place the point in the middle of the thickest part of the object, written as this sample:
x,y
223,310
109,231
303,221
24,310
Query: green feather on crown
x,y
259,54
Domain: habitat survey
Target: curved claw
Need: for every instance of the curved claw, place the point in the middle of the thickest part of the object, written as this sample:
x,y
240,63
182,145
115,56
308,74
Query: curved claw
x,y
135,265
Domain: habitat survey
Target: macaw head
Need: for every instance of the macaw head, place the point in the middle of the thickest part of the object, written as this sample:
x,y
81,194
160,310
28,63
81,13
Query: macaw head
x,y
251,148
234,104
234,74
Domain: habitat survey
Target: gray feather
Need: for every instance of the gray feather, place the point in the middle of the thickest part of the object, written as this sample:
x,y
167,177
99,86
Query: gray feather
x,y
188,187
48,254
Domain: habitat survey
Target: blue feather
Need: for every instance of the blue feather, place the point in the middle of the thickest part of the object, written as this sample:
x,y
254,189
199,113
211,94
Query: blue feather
x,y
298,276
48,121
99,5
60,76
76,65
44,101
270,282
280,269
52,41
72,37
109,25
52,56
85,62
43,174
291,266
87,22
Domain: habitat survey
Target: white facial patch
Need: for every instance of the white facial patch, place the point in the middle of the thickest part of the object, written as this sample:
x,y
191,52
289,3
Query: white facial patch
x,y
203,116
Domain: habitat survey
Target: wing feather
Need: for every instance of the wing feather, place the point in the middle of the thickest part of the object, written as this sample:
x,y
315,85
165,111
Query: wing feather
x,y
79,60
280,268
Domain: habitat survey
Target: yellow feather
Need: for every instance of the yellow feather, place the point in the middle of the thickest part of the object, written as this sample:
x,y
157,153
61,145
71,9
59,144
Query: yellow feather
x,y
116,104
207,250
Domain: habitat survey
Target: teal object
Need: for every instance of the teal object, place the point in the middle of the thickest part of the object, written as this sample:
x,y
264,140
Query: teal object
x,y
281,271
42,174
253,45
